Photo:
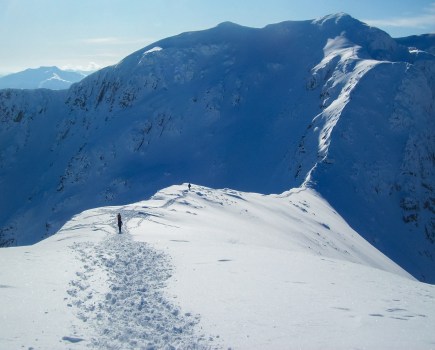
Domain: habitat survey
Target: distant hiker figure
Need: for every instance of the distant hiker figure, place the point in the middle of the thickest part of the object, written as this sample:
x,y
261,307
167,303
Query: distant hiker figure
x,y
119,222
189,186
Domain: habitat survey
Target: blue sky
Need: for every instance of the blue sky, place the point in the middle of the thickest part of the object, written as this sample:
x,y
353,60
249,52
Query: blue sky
x,y
96,33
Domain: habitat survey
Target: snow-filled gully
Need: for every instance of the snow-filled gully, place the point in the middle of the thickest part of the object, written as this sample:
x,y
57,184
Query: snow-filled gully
x,y
134,312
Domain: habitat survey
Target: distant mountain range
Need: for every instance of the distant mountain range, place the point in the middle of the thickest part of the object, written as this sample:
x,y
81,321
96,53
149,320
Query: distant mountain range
x,y
43,77
331,104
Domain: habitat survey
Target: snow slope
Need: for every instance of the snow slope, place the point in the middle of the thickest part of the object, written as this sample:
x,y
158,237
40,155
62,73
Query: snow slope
x,y
332,103
211,269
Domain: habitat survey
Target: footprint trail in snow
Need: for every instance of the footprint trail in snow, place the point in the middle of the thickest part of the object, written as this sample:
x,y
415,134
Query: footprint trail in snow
x,y
133,312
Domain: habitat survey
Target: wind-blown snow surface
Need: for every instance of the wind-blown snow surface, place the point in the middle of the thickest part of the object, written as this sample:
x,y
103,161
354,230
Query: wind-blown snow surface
x,y
332,103
211,269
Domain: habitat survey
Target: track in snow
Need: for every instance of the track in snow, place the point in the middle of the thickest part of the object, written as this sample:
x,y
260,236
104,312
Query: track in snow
x,y
129,309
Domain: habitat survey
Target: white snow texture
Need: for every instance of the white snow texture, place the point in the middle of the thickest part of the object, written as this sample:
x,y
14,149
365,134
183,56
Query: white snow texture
x,y
211,269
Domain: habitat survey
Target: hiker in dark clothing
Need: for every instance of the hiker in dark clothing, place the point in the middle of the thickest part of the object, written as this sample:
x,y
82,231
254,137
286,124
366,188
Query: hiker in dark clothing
x,y
119,222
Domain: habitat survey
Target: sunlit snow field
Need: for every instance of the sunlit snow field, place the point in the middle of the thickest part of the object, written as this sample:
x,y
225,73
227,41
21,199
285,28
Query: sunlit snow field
x,y
211,269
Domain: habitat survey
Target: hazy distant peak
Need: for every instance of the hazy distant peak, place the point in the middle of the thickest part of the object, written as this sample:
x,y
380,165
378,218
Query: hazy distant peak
x,y
228,24
49,77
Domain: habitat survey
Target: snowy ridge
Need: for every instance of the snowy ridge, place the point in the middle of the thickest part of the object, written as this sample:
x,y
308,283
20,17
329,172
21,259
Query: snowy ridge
x,y
362,157
297,220
213,269
332,103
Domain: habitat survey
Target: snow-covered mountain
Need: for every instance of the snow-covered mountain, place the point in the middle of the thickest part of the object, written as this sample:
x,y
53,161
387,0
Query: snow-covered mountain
x,y
425,42
330,104
211,269
43,77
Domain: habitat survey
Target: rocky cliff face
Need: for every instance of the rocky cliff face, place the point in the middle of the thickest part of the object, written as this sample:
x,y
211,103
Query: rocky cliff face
x,y
332,104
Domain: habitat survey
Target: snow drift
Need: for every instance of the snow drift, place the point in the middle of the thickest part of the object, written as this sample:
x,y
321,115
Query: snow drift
x,y
331,104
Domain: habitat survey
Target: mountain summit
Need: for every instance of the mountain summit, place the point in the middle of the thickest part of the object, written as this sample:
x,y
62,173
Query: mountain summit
x,y
331,104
